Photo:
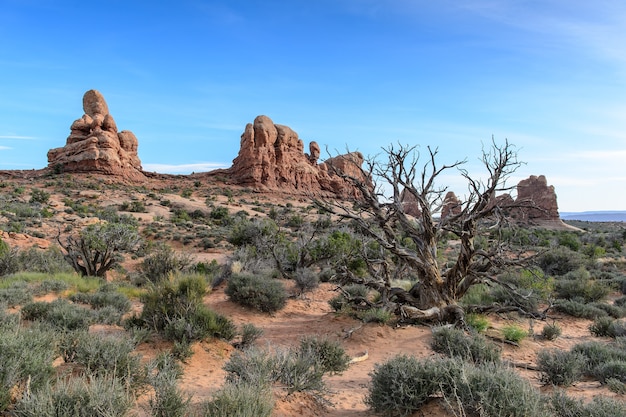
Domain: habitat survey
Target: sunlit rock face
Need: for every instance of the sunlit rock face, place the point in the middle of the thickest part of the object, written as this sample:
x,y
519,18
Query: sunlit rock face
x,y
271,156
95,145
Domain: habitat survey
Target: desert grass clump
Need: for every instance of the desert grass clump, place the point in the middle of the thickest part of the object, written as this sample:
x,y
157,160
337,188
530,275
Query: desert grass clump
x,y
403,384
105,296
168,400
579,309
174,308
108,355
551,331
491,390
477,322
562,405
249,334
100,396
560,367
455,343
60,314
608,327
306,279
26,357
330,354
262,293
376,315
514,333
240,400
162,262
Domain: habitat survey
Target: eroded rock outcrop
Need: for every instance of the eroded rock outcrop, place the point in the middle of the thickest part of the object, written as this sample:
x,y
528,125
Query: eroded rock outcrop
x,y
535,203
271,156
95,145
537,200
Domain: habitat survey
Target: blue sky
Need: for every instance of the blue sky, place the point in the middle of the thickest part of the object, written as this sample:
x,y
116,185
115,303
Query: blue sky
x,y
186,77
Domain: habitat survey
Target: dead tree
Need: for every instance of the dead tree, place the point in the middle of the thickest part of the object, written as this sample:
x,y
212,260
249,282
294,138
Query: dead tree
x,y
410,243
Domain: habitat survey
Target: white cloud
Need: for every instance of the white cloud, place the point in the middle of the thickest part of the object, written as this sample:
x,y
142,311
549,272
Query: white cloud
x,y
4,148
17,137
183,168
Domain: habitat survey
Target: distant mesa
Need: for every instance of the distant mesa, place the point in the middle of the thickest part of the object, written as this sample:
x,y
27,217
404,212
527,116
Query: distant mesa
x,y
272,157
95,145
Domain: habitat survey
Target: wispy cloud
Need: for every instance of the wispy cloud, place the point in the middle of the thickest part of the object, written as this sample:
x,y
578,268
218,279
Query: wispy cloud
x,y
4,148
184,168
17,137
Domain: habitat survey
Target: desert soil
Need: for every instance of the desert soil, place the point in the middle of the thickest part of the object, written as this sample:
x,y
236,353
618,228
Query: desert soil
x,y
311,314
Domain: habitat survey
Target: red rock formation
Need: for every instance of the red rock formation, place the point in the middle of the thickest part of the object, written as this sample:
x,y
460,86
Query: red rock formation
x,y
451,205
536,200
535,203
94,144
271,156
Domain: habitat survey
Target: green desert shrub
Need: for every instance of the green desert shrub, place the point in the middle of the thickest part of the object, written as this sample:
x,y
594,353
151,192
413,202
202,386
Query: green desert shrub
x,y
252,366
514,333
300,370
551,331
306,279
102,396
249,334
559,261
579,309
26,357
259,292
293,369
403,384
614,369
585,289
491,390
60,314
562,405
167,400
560,367
598,353
162,262
455,343
112,355
240,400
105,296
330,354
174,307
17,294
608,327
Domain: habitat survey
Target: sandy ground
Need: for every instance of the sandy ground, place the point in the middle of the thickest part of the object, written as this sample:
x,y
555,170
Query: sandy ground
x,y
311,315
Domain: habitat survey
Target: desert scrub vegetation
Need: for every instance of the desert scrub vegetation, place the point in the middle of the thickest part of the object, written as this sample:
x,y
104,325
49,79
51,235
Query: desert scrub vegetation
x,y
173,307
26,357
455,343
295,369
85,396
403,384
261,292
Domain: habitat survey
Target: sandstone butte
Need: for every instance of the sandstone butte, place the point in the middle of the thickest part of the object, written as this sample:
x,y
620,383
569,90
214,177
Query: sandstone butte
x,y
271,158
95,145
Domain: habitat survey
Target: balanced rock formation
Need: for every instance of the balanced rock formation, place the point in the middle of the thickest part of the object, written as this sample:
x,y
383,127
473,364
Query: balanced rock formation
x,y
95,145
271,156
